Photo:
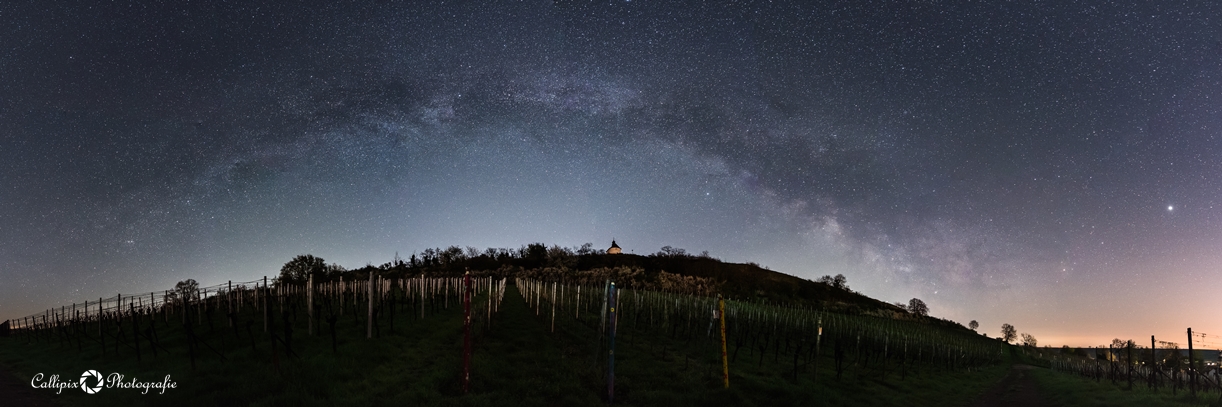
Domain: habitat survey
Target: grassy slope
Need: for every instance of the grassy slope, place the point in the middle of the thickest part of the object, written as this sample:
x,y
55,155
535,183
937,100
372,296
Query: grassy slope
x,y
1059,389
517,363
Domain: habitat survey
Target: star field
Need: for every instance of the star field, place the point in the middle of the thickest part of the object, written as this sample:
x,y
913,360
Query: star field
x,y
1039,164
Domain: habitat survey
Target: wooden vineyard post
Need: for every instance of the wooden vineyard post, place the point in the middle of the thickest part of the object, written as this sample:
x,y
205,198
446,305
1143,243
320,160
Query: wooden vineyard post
x,y
369,321
611,343
603,326
310,305
489,303
266,291
904,364
466,340
818,342
725,363
1192,373
135,329
1153,365
1129,365
199,303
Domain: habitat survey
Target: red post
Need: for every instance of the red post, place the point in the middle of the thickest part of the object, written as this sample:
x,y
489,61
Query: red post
x,y
466,341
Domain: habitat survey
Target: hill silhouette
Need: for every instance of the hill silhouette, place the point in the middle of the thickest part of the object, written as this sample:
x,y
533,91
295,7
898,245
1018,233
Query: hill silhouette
x,y
668,269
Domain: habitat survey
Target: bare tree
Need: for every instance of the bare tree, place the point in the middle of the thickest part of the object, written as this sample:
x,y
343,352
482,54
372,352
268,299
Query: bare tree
x,y
973,325
1008,333
1029,340
184,291
668,251
918,307
585,249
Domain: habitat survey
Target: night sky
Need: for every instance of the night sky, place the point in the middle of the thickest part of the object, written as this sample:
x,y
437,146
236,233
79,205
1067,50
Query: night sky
x,y
1053,165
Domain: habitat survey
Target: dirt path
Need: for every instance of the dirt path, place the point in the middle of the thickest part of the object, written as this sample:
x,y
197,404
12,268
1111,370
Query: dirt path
x,y
17,393
1017,389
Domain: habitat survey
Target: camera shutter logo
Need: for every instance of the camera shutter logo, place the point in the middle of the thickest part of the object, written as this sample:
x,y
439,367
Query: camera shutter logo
x,y
85,381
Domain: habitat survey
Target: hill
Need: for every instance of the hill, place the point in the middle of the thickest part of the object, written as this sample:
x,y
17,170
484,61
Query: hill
x,y
748,282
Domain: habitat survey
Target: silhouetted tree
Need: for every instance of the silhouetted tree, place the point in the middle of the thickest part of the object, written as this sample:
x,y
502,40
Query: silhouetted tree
x,y
561,257
186,290
973,325
839,281
1029,340
918,307
668,251
299,269
534,254
451,256
334,270
1008,333
586,248
1171,354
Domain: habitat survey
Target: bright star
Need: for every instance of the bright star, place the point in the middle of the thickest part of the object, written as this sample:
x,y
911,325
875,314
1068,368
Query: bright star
x,y
1170,208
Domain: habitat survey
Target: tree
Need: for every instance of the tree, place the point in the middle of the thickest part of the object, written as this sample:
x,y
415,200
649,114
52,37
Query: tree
x,y
184,291
334,270
586,249
561,257
1029,340
300,268
1008,333
918,307
839,281
668,251
973,325
535,254
1172,356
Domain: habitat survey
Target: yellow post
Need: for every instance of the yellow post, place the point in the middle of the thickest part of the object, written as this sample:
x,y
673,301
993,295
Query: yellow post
x,y
725,362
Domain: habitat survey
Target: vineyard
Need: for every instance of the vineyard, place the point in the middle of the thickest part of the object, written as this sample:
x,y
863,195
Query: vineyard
x,y
488,338
1165,369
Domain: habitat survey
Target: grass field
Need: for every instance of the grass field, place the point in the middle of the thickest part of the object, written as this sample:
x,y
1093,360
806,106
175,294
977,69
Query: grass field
x,y
518,362
1060,389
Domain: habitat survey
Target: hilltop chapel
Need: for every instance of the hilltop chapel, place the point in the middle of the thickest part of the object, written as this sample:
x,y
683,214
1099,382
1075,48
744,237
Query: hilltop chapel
x,y
614,248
